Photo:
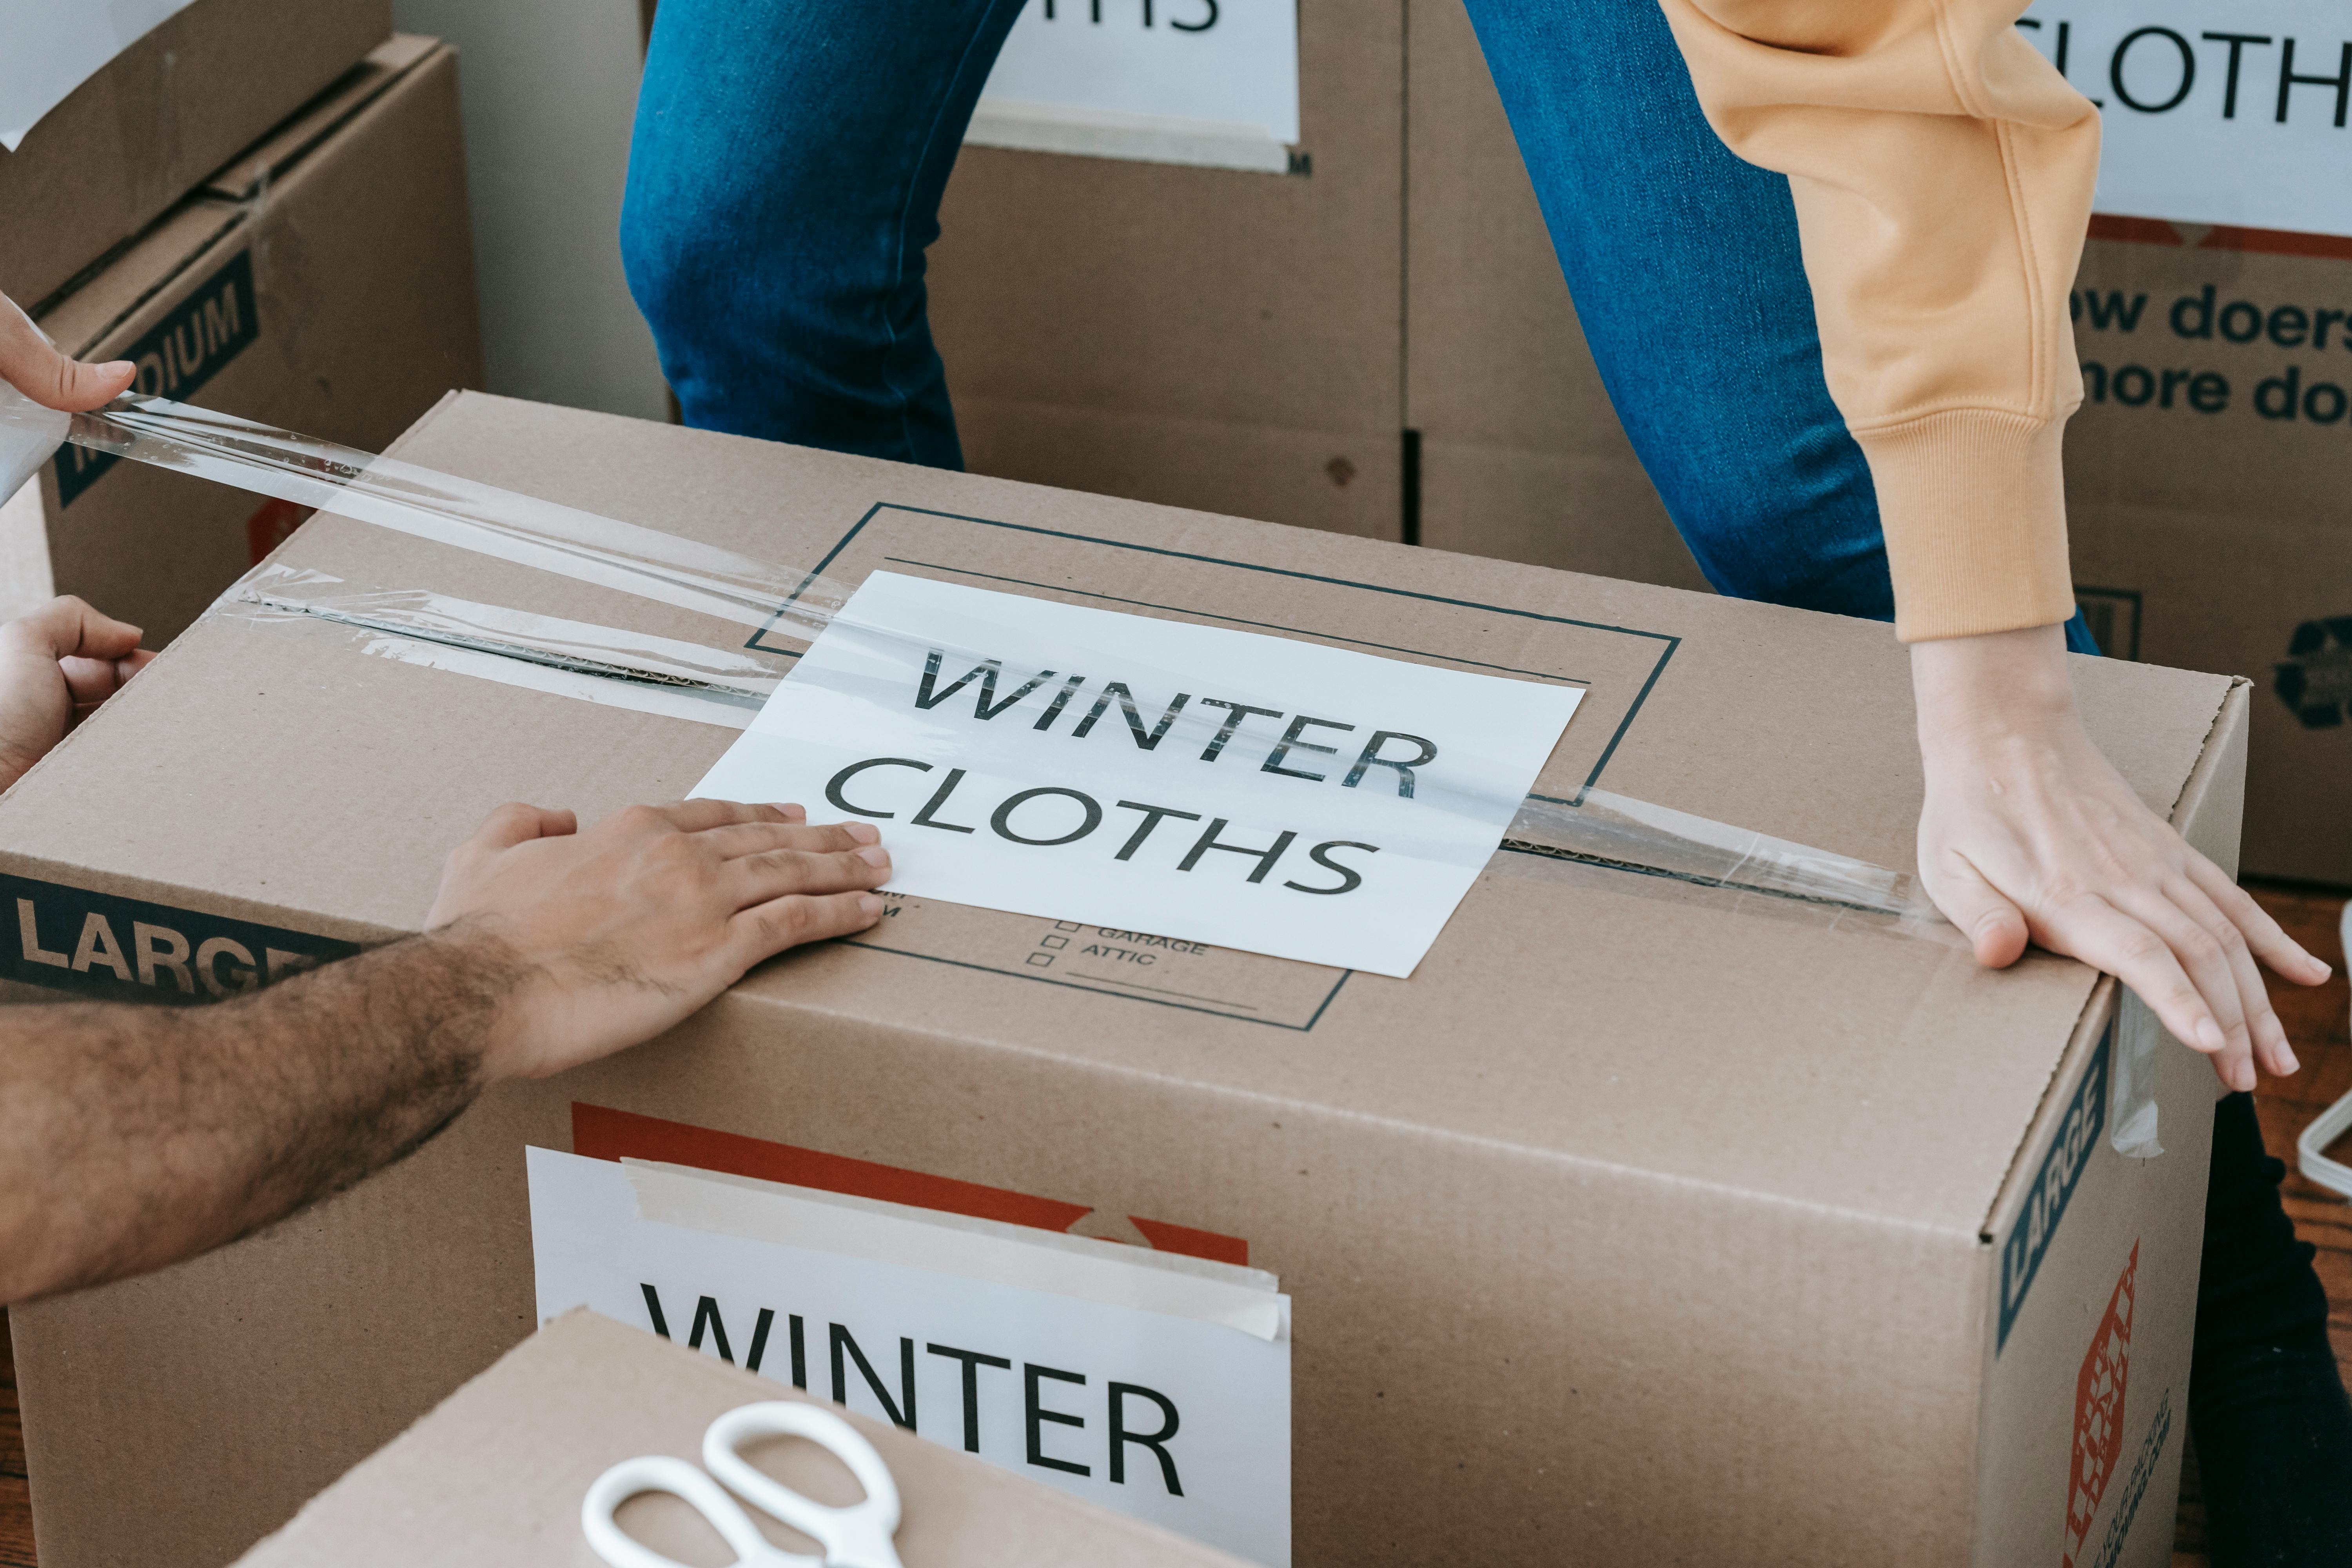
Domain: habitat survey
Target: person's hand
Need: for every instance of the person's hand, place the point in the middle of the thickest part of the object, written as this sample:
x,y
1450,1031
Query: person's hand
x,y
32,364
2028,833
56,665
609,937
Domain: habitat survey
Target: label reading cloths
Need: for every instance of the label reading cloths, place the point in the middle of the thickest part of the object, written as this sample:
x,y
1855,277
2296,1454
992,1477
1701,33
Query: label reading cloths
x,y
1157,1386
1219,786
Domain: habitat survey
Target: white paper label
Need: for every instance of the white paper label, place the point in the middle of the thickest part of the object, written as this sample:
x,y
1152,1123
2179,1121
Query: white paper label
x,y
1223,62
1173,1419
1212,785
2212,112
49,47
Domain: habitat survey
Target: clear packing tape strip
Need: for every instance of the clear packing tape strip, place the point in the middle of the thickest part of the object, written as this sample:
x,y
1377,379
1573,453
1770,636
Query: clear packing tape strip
x,y
727,686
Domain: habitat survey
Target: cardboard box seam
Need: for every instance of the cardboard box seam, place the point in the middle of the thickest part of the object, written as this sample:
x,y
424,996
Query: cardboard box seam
x,y
1156,418
258,189
2099,1012
2205,747
235,224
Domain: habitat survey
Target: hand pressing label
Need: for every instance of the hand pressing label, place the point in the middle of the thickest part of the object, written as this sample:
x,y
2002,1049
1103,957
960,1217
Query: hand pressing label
x,y
1216,785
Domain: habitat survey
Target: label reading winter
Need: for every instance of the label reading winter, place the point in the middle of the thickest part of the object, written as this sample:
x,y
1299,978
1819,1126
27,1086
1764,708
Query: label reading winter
x,y
1212,785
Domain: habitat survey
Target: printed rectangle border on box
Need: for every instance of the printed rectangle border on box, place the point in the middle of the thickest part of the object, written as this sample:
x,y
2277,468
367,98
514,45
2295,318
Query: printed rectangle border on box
x,y
1670,642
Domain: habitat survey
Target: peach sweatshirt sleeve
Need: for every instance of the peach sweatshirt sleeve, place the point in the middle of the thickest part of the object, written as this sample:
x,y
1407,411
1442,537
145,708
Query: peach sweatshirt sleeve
x,y
1942,171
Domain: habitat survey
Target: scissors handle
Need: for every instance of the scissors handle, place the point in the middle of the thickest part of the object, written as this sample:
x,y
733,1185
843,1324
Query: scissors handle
x,y
857,1536
661,1473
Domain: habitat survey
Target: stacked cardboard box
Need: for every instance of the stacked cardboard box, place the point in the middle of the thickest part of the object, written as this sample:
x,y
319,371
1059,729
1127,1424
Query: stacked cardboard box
x,y
149,128
321,278
1648,1222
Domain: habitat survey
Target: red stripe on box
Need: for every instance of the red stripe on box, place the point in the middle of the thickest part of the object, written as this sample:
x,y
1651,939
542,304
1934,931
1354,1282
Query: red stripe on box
x,y
2222,237
599,1133
1183,1239
2138,230
2278,242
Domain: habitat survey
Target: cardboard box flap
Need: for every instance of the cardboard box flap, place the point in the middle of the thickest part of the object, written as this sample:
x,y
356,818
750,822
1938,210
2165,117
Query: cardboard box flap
x,y
1634,1024
190,232
247,176
495,1473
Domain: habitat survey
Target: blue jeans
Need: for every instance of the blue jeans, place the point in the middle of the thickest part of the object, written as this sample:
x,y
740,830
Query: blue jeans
x,y
783,185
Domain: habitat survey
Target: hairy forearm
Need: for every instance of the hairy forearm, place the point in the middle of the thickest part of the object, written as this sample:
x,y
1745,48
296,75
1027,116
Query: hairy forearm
x,y
132,1136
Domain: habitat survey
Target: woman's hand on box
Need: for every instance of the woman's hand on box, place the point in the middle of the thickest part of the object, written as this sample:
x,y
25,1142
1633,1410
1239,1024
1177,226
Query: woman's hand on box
x,y
32,364
56,665
2029,833
609,937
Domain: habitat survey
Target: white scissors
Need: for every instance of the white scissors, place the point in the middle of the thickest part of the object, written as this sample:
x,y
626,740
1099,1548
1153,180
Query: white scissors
x,y
859,1536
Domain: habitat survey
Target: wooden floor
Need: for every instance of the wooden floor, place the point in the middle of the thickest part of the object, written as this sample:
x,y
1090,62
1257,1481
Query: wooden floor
x,y
2318,1021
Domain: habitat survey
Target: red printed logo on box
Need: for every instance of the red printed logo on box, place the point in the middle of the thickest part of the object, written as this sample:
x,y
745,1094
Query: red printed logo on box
x,y
2099,1412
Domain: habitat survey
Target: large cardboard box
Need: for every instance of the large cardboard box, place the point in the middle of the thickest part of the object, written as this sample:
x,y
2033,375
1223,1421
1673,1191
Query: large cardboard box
x,y
1200,337
495,1475
2201,477
153,124
1649,1222
323,281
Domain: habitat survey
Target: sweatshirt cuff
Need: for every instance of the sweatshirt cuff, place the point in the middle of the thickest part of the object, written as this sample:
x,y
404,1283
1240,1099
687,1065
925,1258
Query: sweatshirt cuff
x,y
1973,503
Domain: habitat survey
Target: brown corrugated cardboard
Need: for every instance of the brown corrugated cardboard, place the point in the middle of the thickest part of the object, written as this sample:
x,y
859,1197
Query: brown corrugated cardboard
x,y
1197,337
1646,1223
148,129
2201,477
323,280
495,1475
1521,454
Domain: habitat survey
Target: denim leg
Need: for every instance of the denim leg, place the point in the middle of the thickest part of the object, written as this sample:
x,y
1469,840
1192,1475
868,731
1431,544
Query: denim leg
x,y
784,185
1684,265
1691,289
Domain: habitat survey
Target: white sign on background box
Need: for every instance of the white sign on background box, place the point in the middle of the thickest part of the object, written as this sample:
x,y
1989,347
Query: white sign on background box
x,y
1212,785
1174,1416
1187,81
2217,111
49,47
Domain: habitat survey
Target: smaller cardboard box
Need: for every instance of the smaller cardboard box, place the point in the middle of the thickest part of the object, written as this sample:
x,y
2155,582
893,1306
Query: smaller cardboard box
x,y
145,131
495,1475
323,281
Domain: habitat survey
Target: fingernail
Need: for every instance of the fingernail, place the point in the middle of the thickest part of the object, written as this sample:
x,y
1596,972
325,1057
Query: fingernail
x,y
862,832
868,905
790,809
873,855
2209,1035
2286,1055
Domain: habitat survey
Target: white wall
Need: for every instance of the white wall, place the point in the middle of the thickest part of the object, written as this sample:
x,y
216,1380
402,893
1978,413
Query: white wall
x,y
549,89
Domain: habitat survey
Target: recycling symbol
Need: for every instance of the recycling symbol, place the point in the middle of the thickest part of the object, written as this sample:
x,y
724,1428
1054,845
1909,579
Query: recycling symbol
x,y
2315,680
